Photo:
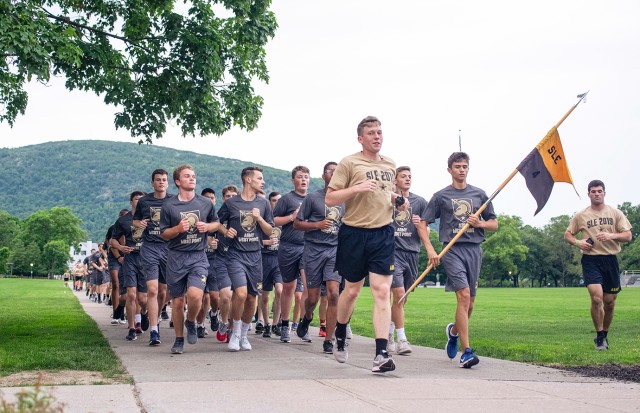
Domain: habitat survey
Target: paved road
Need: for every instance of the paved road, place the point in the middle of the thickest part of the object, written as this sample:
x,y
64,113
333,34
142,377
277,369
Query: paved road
x,y
298,377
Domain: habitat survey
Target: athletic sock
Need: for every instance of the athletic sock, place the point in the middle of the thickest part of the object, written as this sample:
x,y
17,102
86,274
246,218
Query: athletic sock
x,y
601,334
285,323
401,334
605,332
138,318
381,345
341,334
323,323
305,321
154,328
244,328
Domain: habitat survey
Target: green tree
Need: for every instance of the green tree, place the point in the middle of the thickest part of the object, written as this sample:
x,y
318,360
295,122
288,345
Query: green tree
x,y
157,61
25,255
58,223
503,252
632,213
55,257
5,253
9,229
564,258
536,265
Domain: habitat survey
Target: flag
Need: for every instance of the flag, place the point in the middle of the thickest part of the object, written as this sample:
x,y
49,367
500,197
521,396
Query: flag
x,y
545,165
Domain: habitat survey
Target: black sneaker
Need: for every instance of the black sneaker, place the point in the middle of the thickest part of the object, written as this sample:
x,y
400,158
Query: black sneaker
x,y
144,321
327,347
259,327
214,321
275,329
164,315
266,333
200,330
599,342
132,336
302,329
192,332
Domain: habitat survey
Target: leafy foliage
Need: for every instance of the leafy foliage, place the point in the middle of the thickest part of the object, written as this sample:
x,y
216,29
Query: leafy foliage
x,y
157,61
93,179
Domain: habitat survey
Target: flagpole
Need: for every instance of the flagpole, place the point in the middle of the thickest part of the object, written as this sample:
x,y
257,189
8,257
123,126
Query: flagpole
x,y
466,226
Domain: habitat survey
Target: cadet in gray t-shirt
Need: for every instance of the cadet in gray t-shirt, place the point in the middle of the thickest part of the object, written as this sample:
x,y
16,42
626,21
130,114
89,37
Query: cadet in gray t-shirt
x,y
455,206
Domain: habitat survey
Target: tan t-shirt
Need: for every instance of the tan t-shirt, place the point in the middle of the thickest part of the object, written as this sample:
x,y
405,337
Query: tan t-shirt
x,y
590,222
366,209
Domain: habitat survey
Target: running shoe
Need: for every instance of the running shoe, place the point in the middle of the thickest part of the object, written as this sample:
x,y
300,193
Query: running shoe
x,y
327,347
275,329
323,331
349,332
213,317
294,326
340,352
164,315
132,336
234,343
144,321
391,344
383,363
452,342
306,338
606,343
403,347
244,344
302,330
201,331
221,334
266,333
468,359
154,338
599,342
138,328
115,321
178,346
259,327
192,332
284,334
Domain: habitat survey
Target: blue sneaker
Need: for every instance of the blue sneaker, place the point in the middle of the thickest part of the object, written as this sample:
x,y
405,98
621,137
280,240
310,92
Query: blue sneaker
x,y
154,338
452,343
468,359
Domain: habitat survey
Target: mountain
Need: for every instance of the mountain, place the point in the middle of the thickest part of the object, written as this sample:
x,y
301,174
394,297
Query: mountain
x,y
95,178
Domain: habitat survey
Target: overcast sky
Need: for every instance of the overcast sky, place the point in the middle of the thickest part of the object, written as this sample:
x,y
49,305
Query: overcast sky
x,y
502,72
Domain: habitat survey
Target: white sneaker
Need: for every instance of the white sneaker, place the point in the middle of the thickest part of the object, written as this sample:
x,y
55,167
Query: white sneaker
x,y
403,347
234,343
391,345
123,322
115,321
349,333
244,344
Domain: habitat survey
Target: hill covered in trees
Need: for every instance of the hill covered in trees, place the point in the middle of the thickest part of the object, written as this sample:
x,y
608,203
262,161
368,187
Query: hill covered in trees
x,y
95,178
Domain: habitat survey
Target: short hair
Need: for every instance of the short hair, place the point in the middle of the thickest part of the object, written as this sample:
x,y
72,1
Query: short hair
x,y
402,169
122,212
297,169
208,191
328,164
595,183
249,171
457,157
158,172
176,172
135,194
368,121
272,194
229,188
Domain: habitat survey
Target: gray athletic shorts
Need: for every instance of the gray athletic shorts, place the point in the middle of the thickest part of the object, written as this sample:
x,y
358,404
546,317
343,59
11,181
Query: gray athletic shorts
x,y
290,260
405,269
153,257
132,272
319,264
270,272
96,277
106,278
245,270
186,269
221,273
462,263
113,263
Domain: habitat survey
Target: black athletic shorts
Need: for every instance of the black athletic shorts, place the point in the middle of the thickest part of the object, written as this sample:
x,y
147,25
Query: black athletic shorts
x,y
602,269
364,250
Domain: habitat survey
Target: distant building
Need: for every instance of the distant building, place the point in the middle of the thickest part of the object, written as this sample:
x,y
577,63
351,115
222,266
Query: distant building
x,y
80,255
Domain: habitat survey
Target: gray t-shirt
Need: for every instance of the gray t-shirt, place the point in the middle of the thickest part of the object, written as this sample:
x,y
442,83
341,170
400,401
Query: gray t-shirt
x,y
406,233
314,209
237,213
453,207
150,208
285,207
198,209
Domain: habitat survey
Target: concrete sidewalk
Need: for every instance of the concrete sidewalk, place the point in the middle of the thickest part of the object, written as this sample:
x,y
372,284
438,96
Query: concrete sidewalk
x,y
298,377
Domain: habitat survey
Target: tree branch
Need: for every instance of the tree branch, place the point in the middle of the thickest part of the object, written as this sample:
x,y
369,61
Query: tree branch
x,y
70,22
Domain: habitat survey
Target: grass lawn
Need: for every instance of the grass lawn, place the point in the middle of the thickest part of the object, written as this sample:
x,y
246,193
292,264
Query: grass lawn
x,y
43,327
534,325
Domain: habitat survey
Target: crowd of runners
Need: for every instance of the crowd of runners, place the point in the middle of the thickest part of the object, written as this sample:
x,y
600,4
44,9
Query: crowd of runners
x,y
216,263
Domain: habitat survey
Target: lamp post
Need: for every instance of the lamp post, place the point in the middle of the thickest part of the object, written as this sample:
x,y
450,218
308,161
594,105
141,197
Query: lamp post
x,y
31,269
